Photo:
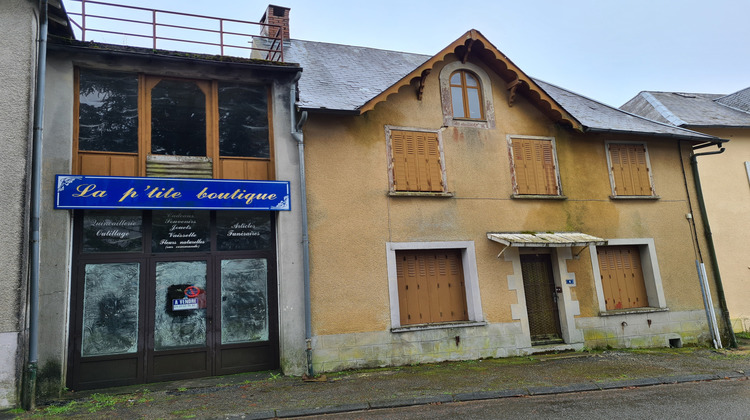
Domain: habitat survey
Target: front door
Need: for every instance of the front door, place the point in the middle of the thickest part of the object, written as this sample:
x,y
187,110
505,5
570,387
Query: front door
x,y
164,295
541,299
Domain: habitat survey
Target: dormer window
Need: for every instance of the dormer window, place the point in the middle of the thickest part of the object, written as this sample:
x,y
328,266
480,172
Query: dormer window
x,y
466,95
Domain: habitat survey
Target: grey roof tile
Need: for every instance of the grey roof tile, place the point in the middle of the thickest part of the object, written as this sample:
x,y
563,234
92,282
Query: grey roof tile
x,y
343,78
693,109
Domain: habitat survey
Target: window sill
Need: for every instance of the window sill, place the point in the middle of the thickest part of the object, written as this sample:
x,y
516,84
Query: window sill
x,y
420,327
634,197
538,197
419,194
633,311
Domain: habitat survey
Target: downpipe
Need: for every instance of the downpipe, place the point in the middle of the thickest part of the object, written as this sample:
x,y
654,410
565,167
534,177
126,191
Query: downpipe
x,y
28,392
709,240
298,136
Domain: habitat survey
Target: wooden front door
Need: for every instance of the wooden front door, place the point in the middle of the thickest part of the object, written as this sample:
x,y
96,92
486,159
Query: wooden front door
x,y
541,299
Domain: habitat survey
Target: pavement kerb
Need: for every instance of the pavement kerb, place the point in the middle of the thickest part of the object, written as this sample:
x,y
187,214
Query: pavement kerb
x,y
488,395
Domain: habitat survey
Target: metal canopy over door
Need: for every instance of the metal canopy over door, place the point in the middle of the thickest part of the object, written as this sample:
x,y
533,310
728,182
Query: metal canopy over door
x,y
541,299
164,295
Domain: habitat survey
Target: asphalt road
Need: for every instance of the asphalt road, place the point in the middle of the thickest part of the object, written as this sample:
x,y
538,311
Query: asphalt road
x,y
725,399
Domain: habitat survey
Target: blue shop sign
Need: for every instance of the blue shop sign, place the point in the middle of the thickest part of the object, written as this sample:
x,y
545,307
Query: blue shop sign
x,y
116,192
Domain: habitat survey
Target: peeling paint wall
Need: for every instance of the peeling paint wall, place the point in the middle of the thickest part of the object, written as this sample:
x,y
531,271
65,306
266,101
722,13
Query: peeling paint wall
x,y
18,18
352,216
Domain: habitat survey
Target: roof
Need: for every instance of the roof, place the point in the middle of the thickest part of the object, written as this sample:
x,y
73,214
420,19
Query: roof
x,y
542,239
693,109
344,77
353,79
596,116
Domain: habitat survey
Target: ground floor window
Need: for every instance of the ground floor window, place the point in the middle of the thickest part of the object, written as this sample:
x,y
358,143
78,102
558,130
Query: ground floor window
x,y
433,283
430,286
628,275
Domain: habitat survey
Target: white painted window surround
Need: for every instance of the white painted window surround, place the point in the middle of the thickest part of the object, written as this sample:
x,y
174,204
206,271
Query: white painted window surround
x,y
651,273
471,279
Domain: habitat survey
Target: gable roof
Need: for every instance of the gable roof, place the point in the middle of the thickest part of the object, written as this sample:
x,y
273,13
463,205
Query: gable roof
x,y
349,79
693,109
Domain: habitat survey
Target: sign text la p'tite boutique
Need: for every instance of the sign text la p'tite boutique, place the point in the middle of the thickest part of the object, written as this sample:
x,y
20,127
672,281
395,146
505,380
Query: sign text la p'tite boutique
x,y
112,192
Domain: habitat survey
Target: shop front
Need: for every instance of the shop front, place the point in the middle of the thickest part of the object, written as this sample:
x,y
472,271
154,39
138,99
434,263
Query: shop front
x,y
177,284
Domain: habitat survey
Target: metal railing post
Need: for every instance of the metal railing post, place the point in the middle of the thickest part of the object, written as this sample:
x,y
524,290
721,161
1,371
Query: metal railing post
x,y
153,25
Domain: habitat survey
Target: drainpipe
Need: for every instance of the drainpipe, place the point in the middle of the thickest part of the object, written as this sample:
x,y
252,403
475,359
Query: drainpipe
x,y
298,136
710,241
29,383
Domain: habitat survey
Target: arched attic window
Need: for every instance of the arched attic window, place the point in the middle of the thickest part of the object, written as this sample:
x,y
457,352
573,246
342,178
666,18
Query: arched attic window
x,y
466,95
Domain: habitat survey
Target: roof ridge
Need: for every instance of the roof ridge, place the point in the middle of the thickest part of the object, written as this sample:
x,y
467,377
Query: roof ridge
x,y
360,46
662,109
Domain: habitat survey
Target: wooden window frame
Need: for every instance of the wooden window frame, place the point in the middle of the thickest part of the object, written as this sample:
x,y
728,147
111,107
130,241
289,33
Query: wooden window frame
x,y
547,173
485,88
651,276
646,165
464,86
248,167
470,277
432,170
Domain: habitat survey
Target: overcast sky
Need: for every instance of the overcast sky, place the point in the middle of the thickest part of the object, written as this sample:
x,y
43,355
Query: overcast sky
x,y
608,50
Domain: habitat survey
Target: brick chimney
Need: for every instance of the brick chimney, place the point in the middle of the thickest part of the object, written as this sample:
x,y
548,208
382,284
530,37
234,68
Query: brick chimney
x,y
275,15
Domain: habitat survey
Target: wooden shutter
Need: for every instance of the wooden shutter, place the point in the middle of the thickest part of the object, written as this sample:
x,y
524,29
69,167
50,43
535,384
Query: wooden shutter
x,y
534,163
431,286
622,277
416,161
629,169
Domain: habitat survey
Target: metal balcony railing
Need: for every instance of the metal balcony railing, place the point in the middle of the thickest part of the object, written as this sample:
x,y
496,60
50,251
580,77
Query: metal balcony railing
x,y
161,29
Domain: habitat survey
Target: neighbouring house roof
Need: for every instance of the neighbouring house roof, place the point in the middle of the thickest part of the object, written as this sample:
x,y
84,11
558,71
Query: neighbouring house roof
x,y
350,79
693,109
542,239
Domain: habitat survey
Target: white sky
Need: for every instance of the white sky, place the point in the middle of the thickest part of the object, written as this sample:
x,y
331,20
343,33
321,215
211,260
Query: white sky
x,y
608,50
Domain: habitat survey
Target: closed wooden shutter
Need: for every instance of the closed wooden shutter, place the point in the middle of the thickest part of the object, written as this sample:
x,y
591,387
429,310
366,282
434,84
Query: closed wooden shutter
x,y
629,169
416,161
534,163
622,277
431,286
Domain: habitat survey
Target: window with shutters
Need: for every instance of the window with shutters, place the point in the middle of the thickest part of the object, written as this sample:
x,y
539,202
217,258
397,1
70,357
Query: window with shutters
x,y
416,161
430,286
627,276
433,285
534,166
629,170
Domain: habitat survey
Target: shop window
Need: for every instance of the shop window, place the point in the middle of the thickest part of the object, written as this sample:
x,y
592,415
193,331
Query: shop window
x,y
534,166
628,275
433,284
187,128
466,95
629,170
178,118
416,161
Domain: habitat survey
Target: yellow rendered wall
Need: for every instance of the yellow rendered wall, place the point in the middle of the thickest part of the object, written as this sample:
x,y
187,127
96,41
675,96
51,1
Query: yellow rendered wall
x,y
352,216
727,195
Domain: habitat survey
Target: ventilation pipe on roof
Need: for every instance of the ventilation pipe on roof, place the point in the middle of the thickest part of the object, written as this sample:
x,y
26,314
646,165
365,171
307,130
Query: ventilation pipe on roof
x,y
709,237
297,125
28,391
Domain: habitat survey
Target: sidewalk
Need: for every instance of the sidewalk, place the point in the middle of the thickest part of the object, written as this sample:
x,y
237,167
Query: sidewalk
x,y
268,394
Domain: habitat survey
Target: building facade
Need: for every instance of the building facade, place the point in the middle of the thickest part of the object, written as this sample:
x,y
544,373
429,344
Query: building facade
x,y
460,209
